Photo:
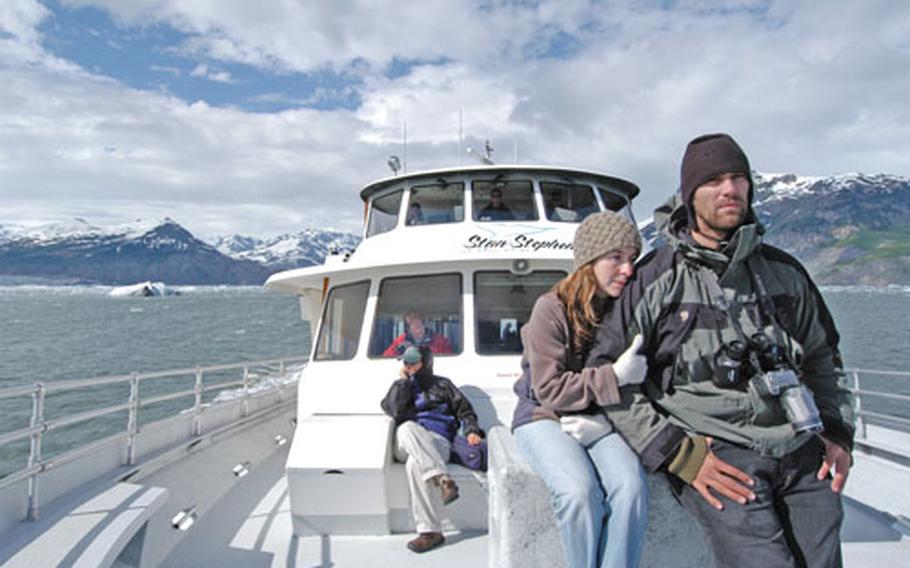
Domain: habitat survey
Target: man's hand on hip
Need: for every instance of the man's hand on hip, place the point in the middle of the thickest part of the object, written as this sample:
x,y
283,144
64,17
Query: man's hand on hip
x,y
723,478
838,460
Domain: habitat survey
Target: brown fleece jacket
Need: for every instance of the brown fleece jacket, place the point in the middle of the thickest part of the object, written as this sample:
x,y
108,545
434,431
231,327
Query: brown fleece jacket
x,y
560,384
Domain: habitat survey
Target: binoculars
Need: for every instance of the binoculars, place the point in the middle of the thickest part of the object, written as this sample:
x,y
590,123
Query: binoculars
x,y
735,364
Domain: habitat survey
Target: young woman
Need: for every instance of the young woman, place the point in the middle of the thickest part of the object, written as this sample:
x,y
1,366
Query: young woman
x,y
596,482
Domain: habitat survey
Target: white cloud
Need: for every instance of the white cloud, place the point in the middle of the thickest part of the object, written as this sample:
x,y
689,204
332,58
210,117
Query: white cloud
x,y
810,88
20,18
219,76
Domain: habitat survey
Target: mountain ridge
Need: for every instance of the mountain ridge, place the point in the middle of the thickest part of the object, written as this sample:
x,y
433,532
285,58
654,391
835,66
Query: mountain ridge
x,y
76,251
847,229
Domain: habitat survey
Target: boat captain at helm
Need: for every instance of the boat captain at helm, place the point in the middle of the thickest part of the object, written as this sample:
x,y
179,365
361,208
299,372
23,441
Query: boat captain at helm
x,y
496,210
428,411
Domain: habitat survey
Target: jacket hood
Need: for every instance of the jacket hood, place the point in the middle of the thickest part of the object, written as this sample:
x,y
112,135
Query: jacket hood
x,y
672,223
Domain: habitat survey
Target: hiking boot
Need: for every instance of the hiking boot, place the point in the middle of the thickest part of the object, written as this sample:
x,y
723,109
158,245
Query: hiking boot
x,y
449,490
426,541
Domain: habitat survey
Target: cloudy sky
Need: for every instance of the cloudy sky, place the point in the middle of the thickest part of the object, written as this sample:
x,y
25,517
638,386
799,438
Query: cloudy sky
x,y
234,116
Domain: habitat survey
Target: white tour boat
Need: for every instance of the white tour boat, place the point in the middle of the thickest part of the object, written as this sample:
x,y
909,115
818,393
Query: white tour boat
x,y
300,472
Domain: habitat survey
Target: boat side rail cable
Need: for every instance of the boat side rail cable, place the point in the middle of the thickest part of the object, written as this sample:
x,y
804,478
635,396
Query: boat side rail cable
x,y
256,378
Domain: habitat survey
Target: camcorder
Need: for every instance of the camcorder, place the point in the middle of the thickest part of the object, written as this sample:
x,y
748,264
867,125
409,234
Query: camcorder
x,y
763,362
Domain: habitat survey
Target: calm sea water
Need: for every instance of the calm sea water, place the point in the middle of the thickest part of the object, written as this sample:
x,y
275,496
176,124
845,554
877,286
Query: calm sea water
x,y
50,334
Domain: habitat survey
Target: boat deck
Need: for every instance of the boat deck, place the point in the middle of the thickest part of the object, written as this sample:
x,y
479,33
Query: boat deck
x,y
251,528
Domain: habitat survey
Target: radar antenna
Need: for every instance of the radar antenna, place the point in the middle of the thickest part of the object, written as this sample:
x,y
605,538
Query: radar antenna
x,y
394,164
487,157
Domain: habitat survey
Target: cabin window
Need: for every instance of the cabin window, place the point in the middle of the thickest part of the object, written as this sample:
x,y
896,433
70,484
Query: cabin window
x,y
418,310
503,201
568,202
384,213
431,204
612,199
502,305
341,322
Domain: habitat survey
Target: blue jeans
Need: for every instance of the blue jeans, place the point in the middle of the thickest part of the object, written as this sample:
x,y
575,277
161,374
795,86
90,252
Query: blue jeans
x,y
599,494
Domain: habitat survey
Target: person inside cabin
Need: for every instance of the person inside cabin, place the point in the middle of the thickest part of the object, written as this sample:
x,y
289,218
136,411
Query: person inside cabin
x,y
415,215
496,209
416,333
596,483
428,411
745,407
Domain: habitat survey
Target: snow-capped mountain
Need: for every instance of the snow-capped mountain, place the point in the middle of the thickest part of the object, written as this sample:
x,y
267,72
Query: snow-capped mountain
x,y
847,229
304,248
78,251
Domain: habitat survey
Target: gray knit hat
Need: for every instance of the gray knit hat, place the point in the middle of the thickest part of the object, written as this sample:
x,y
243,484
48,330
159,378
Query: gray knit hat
x,y
602,232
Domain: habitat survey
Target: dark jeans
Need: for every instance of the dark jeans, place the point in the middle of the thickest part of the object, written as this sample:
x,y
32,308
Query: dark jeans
x,y
794,522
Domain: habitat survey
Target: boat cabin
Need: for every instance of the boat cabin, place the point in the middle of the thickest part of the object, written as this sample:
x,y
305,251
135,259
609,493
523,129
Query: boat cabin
x,y
453,259
468,250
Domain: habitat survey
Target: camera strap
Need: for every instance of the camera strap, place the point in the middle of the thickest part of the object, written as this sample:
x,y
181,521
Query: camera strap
x,y
719,301
767,309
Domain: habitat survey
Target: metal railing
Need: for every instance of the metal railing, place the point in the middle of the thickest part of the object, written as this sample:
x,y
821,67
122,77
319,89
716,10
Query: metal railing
x,y
863,397
39,425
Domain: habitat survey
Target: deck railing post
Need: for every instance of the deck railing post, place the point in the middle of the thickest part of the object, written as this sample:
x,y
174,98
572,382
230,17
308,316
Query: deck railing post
x,y
246,391
197,404
34,455
858,406
132,424
282,371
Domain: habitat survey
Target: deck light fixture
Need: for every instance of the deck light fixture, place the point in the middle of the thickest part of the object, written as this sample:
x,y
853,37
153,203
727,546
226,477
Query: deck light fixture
x,y
280,440
241,469
521,266
184,519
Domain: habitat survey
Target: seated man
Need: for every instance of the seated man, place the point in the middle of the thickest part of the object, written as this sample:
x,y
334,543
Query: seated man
x,y
417,334
427,410
496,210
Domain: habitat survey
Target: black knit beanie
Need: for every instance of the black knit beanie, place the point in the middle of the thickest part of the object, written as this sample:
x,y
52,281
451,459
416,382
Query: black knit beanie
x,y
707,157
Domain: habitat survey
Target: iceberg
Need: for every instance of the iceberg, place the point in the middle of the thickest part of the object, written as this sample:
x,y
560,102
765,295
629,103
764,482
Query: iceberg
x,y
143,290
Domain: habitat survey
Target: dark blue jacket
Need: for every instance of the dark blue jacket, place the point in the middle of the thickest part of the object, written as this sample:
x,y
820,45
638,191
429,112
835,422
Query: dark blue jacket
x,y
432,401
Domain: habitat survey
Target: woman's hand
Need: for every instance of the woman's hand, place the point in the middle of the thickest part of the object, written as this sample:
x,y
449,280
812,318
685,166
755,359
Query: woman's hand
x,y
631,367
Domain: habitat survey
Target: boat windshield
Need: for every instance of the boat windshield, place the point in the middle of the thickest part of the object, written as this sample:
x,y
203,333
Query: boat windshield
x,y
384,213
418,310
511,200
436,203
502,305
613,199
341,322
568,202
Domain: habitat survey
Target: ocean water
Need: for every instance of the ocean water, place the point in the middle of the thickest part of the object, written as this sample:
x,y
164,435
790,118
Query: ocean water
x,y
63,333
60,333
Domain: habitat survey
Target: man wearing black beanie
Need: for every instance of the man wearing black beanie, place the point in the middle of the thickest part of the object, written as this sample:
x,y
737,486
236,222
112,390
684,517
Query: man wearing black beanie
x,y
745,406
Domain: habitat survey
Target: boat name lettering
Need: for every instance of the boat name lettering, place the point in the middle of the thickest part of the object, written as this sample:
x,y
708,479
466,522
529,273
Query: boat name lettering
x,y
518,242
